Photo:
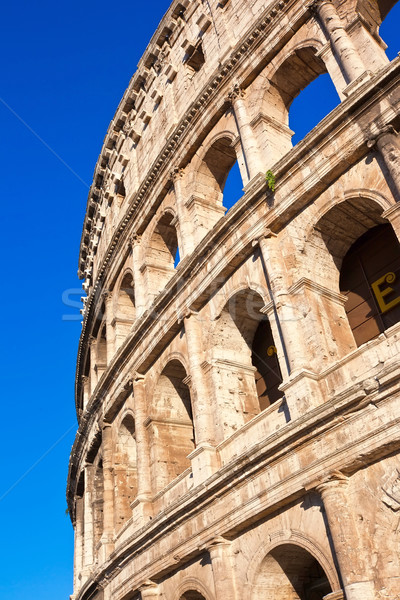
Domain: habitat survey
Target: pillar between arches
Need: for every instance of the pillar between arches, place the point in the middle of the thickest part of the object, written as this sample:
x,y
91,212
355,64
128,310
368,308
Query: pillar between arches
x,y
184,224
388,145
204,458
144,494
347,55
250,148
138,280
107,538
88,555
220,551
350,553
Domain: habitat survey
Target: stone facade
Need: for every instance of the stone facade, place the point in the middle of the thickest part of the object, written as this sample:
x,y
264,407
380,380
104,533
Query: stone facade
x,y
238,431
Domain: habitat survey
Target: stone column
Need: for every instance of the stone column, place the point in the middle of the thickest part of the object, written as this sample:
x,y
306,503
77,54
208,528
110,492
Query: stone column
x,y
92,343
140,299
223,569
150,590
388,145
108,492
349,550
78,543
88,516
346,54
144,492
204,459
85,382
250,148
276,287
185,227
109,317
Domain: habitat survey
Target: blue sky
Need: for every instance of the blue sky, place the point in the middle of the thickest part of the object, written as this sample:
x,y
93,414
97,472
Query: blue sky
x,y
64,70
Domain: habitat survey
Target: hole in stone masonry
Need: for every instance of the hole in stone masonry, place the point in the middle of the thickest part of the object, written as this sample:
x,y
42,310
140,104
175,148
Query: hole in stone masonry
x,y
311,106
233,188
389,32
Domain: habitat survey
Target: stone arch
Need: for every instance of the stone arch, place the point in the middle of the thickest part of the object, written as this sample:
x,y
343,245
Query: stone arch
x,y
217,161
101,350
192,589
246,373
296,550
124,307
294,72
171,431
171,356
125,467
161,253
334,233
340,225
370,278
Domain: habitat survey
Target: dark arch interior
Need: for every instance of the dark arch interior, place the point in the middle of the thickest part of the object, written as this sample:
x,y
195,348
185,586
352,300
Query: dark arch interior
x,y
370,278
290,572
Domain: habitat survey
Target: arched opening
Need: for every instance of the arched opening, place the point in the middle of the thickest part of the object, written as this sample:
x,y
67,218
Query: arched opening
x,y
289,572
125,471
389,30
247,375
299,70
370,278
311,105
192,595
233,188
333,236
101,351
171,429
125,310
213,172
162,254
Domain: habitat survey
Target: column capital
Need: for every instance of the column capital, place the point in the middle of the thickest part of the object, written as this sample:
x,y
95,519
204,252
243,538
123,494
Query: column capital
x,y
106,295
236,93
216,542
134,240
373,139
137,378
176,174
332,483
315,5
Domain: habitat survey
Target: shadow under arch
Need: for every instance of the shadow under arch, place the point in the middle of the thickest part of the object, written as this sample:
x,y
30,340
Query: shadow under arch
x,y
291,564
170,426
243,351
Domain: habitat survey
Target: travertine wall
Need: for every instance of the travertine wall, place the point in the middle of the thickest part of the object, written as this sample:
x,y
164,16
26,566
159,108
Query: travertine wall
x,y
193,475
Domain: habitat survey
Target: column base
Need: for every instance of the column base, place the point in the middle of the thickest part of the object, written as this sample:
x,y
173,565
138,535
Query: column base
x,y
204,461
356,83
302,393
106,547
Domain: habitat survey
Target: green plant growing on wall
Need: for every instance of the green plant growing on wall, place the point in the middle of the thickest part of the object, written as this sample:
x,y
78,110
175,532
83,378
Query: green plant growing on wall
x,y
270,179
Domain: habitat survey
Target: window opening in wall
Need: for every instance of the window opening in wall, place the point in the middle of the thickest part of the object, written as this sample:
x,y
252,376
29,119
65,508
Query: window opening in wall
x,y
233,188
312,104
370,278
195,59
389,32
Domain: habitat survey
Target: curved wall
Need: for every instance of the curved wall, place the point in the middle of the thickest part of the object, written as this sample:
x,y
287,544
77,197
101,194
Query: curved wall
x,y
226,413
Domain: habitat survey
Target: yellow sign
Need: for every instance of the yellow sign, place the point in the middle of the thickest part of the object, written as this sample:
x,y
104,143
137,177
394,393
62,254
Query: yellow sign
x,y
380,294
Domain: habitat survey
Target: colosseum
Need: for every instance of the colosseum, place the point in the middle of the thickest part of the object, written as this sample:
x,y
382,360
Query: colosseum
x,y
238,370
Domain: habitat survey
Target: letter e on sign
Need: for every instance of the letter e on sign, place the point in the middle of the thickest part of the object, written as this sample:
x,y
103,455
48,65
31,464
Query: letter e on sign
x,y
381,293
